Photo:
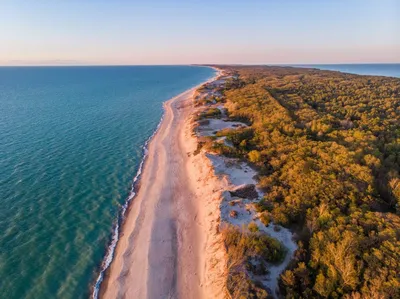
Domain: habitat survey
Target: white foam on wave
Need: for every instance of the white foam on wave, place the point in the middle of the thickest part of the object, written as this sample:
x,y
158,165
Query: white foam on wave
x,y
109,256
115,236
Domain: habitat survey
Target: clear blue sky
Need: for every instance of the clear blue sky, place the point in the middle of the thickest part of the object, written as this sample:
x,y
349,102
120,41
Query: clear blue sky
x,y
187,31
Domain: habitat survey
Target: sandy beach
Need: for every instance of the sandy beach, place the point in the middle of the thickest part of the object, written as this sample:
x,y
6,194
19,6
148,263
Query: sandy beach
x,y
169,246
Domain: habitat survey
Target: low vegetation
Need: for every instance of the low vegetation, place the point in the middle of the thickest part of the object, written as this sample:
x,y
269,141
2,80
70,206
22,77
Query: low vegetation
x,y
249,251
211,113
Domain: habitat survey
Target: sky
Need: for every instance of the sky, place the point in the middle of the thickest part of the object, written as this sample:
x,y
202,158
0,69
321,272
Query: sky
x,y
118,32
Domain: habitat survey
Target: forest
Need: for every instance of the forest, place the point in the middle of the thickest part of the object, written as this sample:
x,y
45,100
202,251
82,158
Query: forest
x,y
327,148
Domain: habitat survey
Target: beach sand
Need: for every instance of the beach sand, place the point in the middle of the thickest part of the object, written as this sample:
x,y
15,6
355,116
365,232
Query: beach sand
x,y
169,245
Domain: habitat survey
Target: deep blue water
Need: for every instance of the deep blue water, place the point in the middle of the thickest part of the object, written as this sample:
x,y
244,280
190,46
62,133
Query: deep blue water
x,y
390,70
70,144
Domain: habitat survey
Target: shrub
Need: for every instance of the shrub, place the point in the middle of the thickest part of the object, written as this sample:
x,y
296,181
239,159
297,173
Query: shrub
x,y
254,156
263,205
198,148
211,113
265,218
243,247
243,244
253,227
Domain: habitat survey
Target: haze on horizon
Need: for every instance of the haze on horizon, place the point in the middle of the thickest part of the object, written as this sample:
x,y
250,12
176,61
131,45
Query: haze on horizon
x,y
185,32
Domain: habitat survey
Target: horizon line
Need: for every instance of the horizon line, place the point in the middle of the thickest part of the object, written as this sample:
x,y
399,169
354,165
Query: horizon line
x,y
196,64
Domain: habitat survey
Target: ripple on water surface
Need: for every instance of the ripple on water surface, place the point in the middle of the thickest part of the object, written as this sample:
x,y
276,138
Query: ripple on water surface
x,y
71,142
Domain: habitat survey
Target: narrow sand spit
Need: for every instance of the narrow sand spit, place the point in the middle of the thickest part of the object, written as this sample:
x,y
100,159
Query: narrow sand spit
x,y
169,245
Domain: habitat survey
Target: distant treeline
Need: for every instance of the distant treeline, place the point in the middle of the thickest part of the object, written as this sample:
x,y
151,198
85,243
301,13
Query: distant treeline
x,y
327,146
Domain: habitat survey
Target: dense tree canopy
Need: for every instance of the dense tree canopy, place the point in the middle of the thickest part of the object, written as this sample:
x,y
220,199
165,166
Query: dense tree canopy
x,y
327,146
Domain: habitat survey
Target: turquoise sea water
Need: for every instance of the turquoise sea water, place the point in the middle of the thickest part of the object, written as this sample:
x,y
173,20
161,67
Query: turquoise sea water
x,y
70,144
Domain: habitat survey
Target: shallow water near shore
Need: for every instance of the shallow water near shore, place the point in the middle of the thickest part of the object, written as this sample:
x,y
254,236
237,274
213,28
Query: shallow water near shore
x,y
71,143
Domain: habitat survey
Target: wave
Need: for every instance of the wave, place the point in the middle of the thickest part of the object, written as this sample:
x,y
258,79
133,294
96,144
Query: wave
x,y
109,256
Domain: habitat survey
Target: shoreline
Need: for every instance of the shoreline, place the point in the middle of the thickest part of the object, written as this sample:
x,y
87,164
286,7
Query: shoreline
x,y
171,235
103,281
123,213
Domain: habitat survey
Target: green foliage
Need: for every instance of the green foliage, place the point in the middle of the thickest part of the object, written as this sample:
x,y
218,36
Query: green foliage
x,y
253,227
254,156
265,218
242,248
252,244
263,205
211,113
328,148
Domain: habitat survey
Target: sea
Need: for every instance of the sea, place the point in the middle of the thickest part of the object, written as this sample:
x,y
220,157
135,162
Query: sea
x,y
376,69
72,142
